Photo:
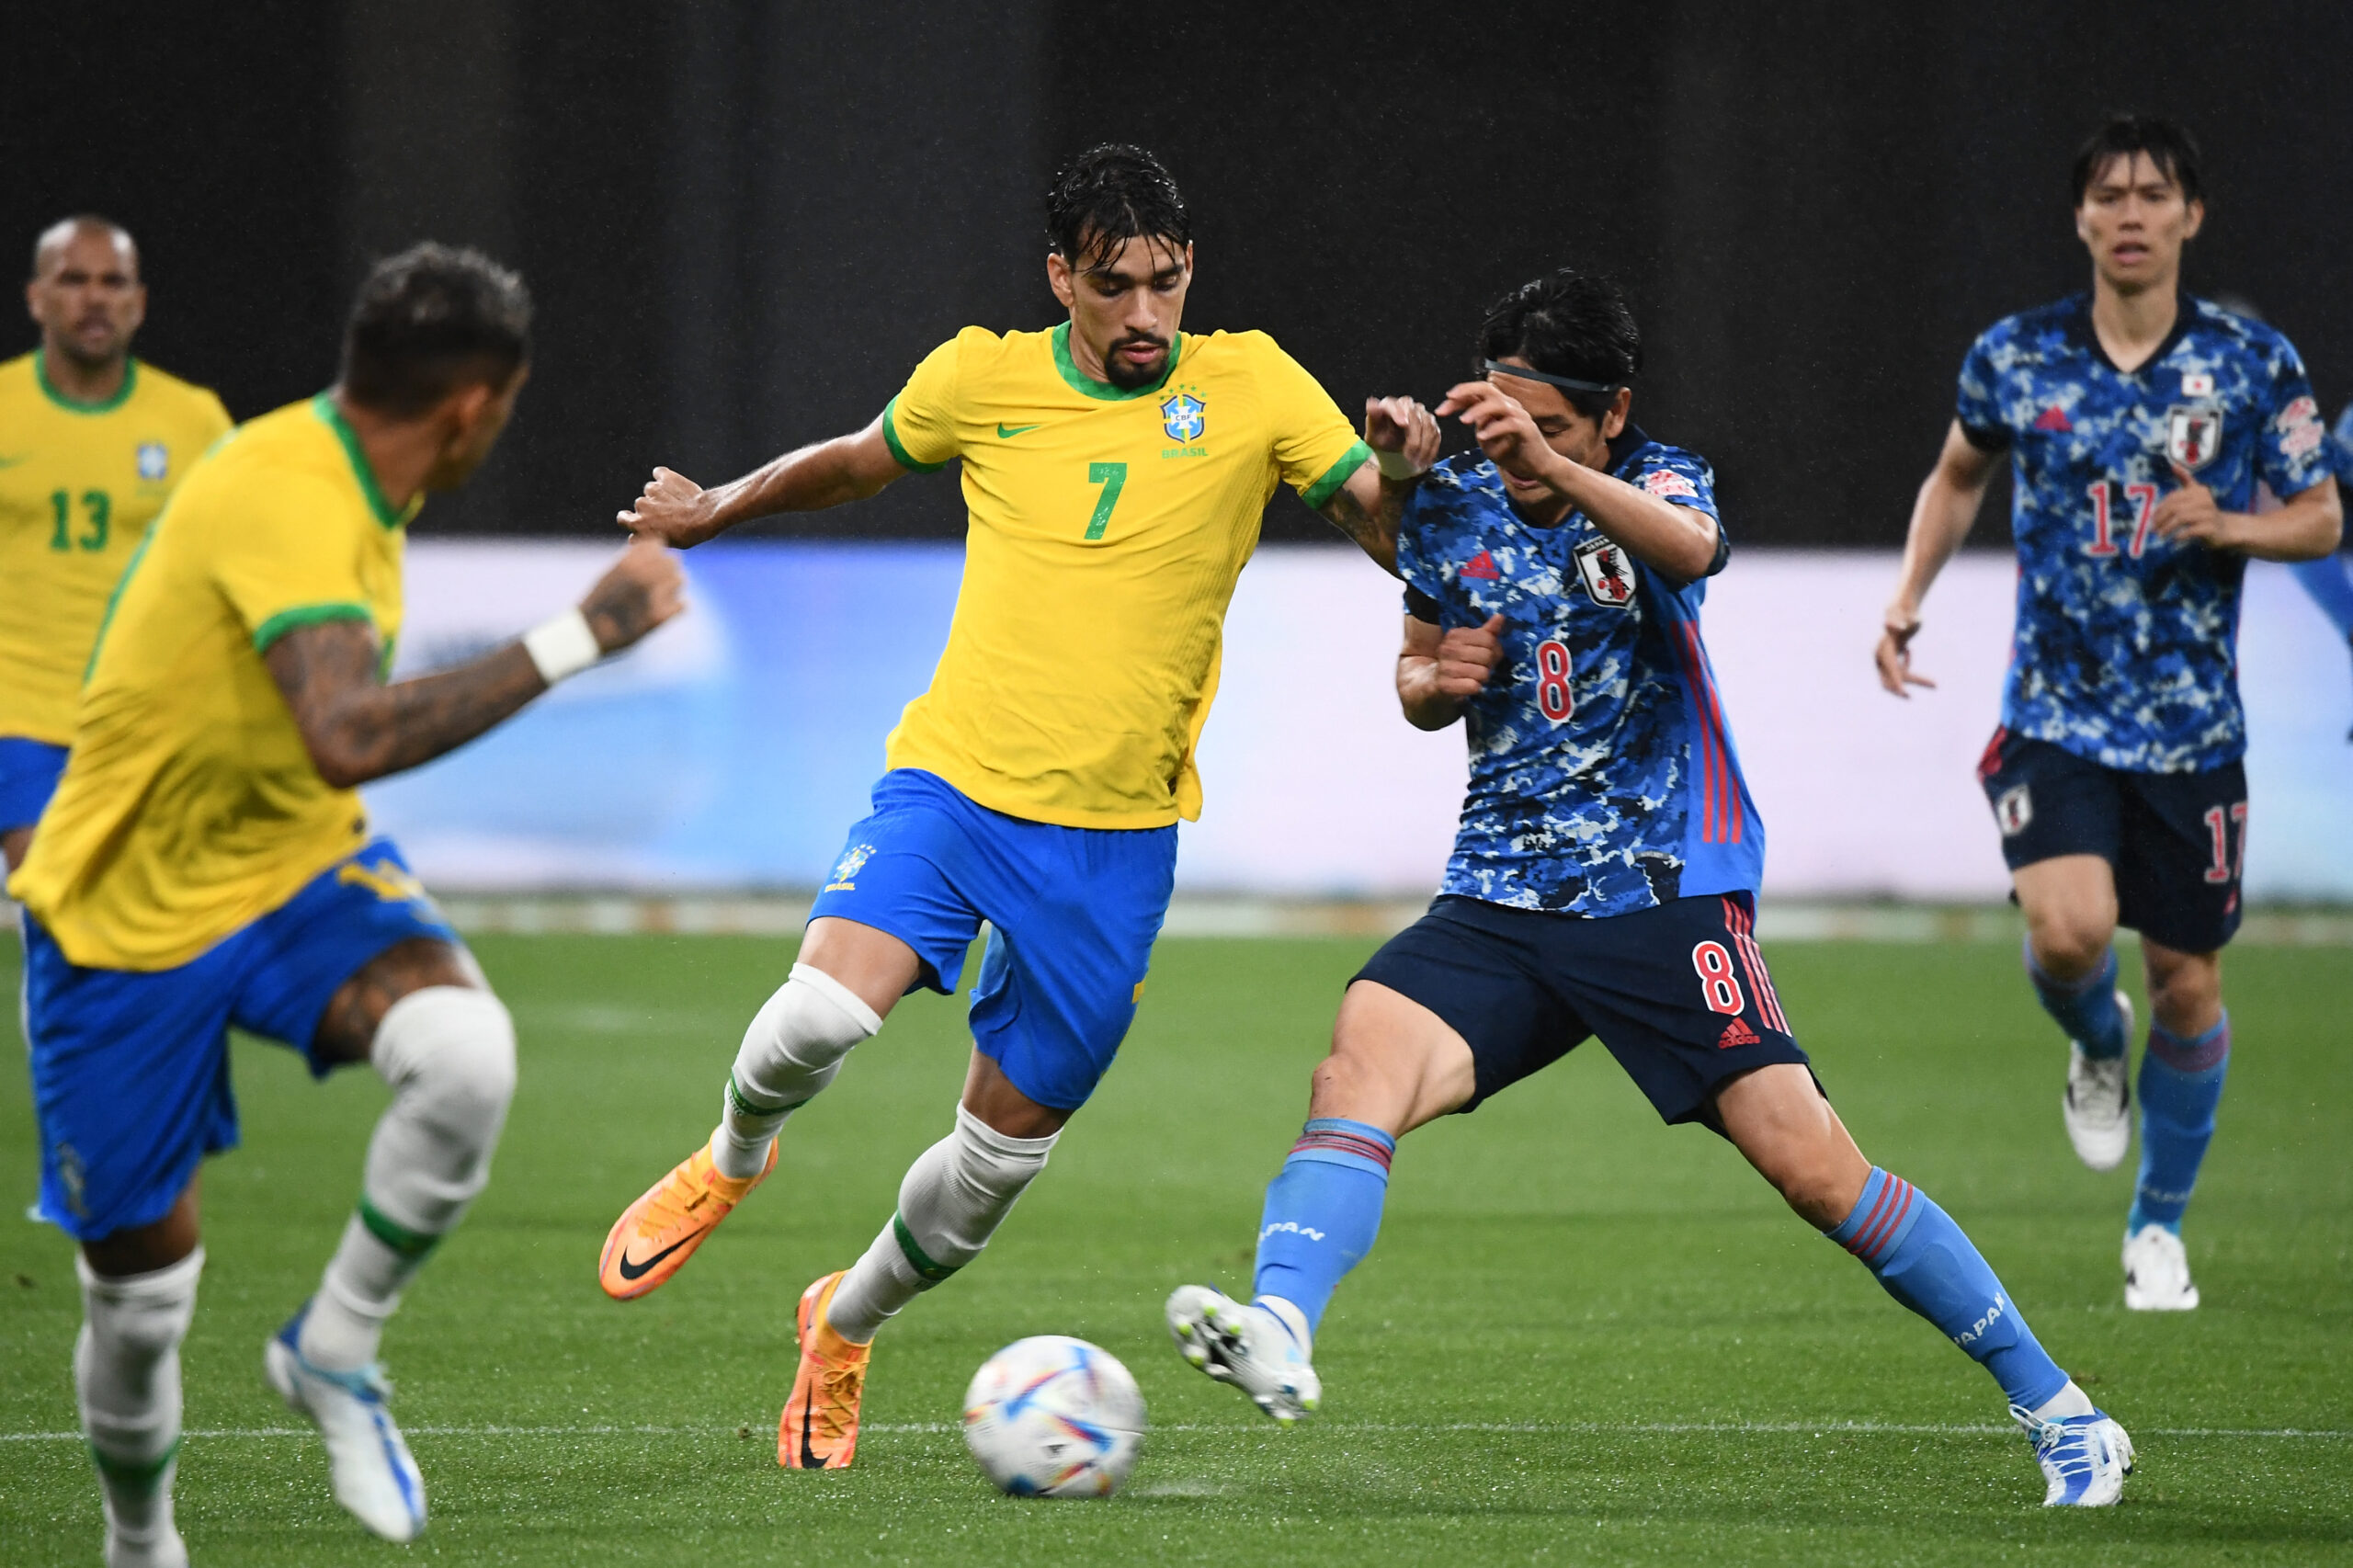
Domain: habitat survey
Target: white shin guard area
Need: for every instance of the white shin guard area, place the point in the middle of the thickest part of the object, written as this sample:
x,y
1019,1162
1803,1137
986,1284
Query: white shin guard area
x,y
127,1380
448,1053
793,1048
954,1196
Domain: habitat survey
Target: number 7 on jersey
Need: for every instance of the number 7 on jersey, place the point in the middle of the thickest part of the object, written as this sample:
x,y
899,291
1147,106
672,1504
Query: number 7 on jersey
x,y
1110,476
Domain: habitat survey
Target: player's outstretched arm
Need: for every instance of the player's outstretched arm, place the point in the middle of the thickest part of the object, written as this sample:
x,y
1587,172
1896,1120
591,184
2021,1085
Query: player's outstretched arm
x,y
1941,518
1678,540
358,728
1439,673
2305,526
1405,440
680,513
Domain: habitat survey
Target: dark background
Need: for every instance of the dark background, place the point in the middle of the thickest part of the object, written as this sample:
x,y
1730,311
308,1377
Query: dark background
x,y
744,223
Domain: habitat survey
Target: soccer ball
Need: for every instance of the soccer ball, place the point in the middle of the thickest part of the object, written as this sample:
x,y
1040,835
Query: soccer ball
x,y
1052,1416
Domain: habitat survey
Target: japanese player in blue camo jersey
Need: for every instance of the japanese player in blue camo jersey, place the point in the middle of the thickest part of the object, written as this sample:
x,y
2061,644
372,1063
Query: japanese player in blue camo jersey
x,y
2139,420
1603,880
2329,578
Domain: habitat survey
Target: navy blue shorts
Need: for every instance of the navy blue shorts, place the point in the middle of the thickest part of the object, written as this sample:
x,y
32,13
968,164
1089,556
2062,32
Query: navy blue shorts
x,y
1072,913
1678,993
2177,841
28,775
130,1067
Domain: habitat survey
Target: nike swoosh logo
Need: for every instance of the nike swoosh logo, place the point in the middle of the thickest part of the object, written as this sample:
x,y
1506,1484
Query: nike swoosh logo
x,y
637,1270
809,1460
1006,432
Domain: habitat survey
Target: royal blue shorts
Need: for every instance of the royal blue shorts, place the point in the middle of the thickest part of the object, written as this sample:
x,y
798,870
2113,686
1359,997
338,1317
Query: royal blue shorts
x,y
1072,913
1678,993
131,1068
28,775
2174,842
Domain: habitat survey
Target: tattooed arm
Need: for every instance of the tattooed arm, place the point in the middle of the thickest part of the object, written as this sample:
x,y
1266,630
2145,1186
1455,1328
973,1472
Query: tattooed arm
x,y
1368,506
358,728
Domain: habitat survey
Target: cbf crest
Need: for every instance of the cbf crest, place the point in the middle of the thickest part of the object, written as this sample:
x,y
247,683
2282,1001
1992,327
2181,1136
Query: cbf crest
x,y
1184,416
2193,436
1608,575
154,460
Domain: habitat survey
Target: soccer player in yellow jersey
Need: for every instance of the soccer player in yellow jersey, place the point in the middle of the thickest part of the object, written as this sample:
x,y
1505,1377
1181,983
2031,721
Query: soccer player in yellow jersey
x,y
205,863
91,443
1116,469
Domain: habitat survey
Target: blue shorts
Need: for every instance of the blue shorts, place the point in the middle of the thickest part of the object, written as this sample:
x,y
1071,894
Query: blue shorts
x,y
28,775
130,1067
2174,842
1678,993
1072,913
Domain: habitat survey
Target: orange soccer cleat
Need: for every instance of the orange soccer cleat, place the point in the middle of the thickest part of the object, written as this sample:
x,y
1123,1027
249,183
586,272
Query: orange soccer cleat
x,y
656,1234
819,1430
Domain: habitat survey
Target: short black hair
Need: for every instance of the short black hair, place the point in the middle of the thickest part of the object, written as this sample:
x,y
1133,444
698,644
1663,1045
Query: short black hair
x,y
1571,323
1108,196
429,321
2170,146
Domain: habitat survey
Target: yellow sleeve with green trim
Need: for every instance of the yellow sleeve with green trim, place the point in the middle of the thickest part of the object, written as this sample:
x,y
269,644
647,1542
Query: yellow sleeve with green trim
x,y
920,423
1315,444
289,559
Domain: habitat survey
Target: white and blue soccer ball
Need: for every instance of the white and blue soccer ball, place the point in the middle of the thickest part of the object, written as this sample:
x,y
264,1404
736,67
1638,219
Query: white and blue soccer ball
x,y
1052,1416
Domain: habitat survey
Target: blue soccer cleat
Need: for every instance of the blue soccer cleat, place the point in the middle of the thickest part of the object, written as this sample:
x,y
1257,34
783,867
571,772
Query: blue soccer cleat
x,y
2085,1458
368,1461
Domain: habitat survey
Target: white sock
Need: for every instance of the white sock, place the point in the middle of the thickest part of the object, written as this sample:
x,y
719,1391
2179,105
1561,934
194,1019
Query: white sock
x,y
955,1196
1293,1319
791,1053
2069,1401
448,1053
127,1380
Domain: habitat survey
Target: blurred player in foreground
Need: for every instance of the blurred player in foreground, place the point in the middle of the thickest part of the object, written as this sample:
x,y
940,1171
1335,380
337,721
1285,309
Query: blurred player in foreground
x,y
91,443
206,863
1603,882
1116,469
2140,422
2329,578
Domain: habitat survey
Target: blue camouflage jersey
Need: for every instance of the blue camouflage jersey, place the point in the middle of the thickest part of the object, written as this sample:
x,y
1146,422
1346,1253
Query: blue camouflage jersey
x,y
2340,448
1603,777
2126,649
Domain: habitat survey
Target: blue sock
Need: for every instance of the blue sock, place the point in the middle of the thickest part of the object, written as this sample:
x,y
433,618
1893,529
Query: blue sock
x,y
2086,1008
1322,1211
2329,580
1920,1257
2181,1083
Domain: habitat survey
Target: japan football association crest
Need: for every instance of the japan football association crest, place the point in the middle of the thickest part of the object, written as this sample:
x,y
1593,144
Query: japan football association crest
x,y
2193,436
1609,576
154,460
1184,416
2014,810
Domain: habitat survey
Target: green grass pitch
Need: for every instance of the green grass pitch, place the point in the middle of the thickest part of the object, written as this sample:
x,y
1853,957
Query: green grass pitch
x,y
1584,1337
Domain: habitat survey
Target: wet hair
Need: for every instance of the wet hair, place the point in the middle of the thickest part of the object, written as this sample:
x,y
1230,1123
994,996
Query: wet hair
x,y
1108,196
1569,323
430,320
2169,146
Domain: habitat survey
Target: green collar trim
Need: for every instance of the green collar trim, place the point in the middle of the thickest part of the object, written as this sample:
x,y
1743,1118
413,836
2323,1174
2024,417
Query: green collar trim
x,y
1104,391
324,406
74,404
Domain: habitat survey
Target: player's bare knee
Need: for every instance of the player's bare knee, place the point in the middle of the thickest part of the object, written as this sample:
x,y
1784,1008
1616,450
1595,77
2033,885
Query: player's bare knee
x,y
2070,944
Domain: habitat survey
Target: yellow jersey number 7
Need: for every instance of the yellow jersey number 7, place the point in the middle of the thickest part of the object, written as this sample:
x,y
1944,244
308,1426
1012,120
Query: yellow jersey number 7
x,y
1111,477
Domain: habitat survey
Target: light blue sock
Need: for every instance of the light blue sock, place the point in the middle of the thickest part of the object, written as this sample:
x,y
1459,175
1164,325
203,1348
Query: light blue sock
x,y
1322,1212
2329,580
2086,1008
2181,1083
1920,1257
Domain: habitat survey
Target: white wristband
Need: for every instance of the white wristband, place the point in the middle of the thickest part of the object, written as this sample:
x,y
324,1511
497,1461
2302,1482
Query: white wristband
x,y
1396,465
563,647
